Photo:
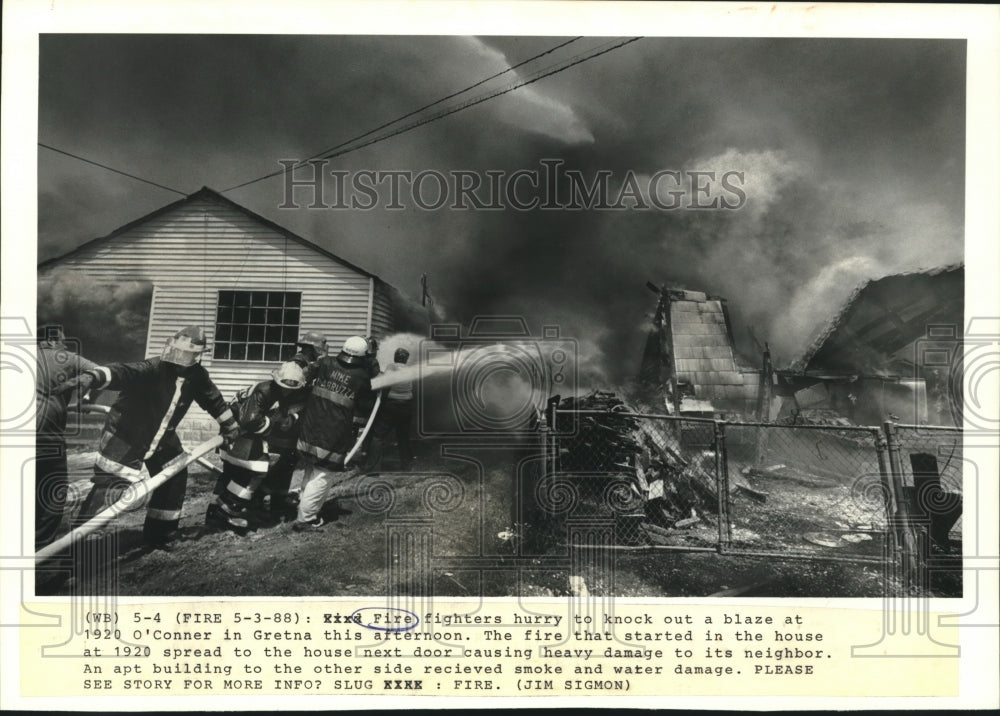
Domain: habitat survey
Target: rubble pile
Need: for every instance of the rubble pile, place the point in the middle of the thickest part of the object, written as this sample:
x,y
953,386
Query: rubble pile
x,y
816,416
670,490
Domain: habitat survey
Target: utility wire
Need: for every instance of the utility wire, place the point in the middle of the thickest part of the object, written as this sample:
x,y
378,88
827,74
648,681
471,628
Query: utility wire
x,y
473,102
333,151
404,116
446,98
110,169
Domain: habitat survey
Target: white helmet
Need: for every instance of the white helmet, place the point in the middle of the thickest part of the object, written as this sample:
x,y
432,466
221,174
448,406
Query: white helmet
x,y
184,347
354,350
289,375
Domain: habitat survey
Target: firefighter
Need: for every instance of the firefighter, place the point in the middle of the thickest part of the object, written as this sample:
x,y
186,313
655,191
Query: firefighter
x,y
394,418
371,357
269,410
282,439
312,346
326,428
155,394
56,365
366,401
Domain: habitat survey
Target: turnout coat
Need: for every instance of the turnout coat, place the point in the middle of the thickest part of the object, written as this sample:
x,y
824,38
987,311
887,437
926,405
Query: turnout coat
x,y
326,431
154,399
265,412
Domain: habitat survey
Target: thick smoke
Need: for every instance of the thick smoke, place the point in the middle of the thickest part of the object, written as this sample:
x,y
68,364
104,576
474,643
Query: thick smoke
x,y
826,137
786,261
853,154
109,321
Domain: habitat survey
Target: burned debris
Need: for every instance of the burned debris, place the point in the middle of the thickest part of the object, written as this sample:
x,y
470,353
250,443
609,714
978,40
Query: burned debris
x,y
890,350
656,477
773,455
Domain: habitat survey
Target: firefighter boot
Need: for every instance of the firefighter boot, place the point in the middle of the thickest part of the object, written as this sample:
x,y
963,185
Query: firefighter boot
x,y
282,509
221,515
159,539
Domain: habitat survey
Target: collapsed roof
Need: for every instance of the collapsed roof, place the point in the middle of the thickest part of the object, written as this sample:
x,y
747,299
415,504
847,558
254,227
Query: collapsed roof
x,y
882,317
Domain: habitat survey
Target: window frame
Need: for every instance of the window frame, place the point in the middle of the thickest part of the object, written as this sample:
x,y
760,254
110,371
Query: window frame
x,y
259,326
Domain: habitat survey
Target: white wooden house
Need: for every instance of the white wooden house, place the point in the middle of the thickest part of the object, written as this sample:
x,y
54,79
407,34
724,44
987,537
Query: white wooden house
x,y
252,285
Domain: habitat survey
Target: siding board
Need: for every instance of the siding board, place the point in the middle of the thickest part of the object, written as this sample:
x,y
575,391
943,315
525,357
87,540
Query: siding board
x,y
201,246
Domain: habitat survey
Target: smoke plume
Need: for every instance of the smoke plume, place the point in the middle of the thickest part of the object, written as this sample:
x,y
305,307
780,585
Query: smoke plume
x,y
109,321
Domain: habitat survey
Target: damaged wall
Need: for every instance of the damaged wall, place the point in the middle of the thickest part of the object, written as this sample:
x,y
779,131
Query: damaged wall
x,y
878,329
690,350
893,349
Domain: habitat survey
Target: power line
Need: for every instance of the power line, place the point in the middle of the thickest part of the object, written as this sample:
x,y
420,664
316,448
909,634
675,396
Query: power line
x,y
285,170
110,169
446,98
473,102
332,152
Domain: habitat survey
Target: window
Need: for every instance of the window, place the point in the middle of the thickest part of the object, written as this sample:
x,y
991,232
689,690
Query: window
x,y
257,325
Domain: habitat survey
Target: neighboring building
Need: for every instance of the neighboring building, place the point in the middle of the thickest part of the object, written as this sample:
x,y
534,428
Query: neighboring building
x,y
893,348
253,285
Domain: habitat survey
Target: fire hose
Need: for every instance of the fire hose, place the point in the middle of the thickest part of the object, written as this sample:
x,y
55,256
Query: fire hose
x,y
104,410
364,433
91,408
132,498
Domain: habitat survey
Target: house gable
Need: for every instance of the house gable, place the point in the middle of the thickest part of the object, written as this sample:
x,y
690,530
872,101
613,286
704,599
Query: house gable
x,y
192,249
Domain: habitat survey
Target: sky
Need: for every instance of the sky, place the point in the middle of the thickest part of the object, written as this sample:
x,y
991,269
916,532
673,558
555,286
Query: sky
x,y
851,154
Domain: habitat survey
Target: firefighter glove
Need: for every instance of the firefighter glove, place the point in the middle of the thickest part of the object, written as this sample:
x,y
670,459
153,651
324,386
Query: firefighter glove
x,y
80,383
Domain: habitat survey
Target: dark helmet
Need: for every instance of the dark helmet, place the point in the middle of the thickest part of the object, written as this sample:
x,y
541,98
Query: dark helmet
x,y
354,350
401,355
372,345
50,333
315,339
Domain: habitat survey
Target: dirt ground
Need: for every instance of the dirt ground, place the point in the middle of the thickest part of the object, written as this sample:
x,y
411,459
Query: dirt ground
x,y
453,527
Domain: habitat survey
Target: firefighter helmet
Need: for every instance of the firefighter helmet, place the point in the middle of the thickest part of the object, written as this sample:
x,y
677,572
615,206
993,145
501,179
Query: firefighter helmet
x,y
289,375
354,350
184,347
51,334
372,345
401,355
315,339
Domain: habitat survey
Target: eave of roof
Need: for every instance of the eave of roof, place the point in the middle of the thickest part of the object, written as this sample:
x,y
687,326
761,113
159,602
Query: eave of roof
x,y
207,193
845,312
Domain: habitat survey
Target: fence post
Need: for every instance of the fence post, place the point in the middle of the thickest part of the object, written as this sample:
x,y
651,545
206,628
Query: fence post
x,y
902,520
763,405
883,470
722,486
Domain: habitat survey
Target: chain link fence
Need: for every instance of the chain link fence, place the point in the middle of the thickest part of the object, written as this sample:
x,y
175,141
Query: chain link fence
x,y
810,491
931,461
643,475
803,490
